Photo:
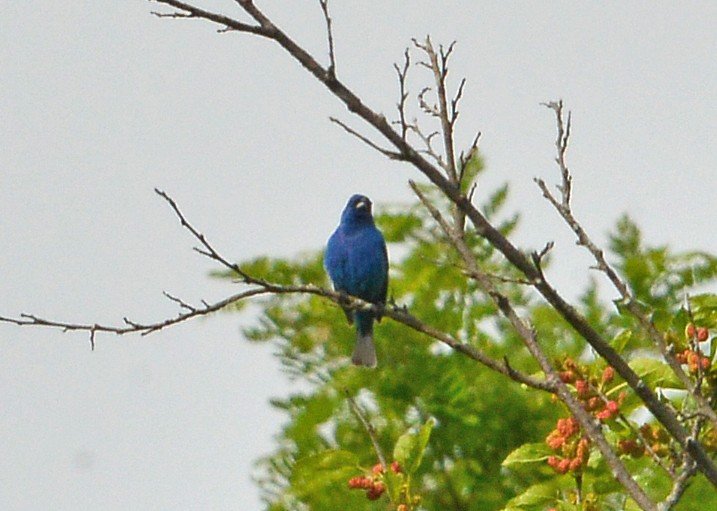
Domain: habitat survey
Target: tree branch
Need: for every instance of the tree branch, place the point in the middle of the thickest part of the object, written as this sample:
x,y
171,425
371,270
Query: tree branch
x,y
564,208
529,337
190,11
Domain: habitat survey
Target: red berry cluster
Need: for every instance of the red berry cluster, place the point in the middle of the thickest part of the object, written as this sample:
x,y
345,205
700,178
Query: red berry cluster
x,y
590,390
574,448
652,440
374,484
693,358
692,332
374,489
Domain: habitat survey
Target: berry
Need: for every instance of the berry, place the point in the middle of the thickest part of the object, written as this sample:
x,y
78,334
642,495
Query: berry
x,y
593,404
396,467
568,427
575,464
555,441
702,334
583,450
568,376
583,388
690,331
611,410
377,469
608,374
375,492
360,483
631,448
563,466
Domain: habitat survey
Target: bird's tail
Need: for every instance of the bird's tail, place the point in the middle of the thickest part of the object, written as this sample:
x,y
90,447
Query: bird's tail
x,y
365,351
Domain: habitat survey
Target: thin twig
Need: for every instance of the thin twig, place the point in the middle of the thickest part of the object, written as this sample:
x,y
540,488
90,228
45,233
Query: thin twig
x,y
438,63
356,409
386,152
190,11
329,34
402,73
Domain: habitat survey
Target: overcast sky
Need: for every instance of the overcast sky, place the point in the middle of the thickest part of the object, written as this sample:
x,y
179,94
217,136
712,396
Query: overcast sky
x,y
100,102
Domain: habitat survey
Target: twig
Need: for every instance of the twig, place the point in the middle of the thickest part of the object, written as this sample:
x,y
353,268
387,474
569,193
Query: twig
x,y
367,426
403,93
438,64
190,11
386,152
329,34
132,326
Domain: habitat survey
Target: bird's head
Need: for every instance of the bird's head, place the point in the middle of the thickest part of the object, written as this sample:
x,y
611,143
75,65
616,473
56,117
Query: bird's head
x,y
357,210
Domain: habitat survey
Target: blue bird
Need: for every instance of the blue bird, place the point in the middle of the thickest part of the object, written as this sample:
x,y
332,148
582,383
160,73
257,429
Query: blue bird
x,y
357,262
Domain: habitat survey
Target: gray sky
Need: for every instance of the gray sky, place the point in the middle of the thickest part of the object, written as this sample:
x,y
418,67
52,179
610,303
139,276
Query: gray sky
x,y
101,102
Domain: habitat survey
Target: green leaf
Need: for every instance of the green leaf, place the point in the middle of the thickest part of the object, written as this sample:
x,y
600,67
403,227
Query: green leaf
x,y
620,340
315,473
541,494
410,447
472,168
655,373
528,453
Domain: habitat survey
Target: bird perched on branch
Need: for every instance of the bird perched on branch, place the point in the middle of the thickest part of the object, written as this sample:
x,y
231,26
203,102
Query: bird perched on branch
x,y
357,262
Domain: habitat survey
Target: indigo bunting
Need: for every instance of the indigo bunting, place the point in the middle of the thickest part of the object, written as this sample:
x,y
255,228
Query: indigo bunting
x,y
357,262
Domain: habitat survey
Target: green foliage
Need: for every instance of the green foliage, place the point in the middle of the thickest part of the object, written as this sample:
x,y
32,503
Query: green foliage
x,y
448,421
410,448
321,471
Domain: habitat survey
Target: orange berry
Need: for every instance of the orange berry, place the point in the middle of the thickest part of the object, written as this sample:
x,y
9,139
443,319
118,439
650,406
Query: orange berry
x,y
690,330
362,483
575,464
563,466
702,334
567,376
608,374
396,467
555,441
611,410
582,387
593,404
583,450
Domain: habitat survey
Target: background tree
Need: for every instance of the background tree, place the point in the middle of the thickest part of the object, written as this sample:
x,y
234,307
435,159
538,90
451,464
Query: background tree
x,y
496,286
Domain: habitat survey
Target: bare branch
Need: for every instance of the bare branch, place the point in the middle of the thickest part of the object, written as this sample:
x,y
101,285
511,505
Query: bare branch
x,y
402,73
529,337
330,36
386,152
189,11
133,327
439,66
679,486
561,144
564,208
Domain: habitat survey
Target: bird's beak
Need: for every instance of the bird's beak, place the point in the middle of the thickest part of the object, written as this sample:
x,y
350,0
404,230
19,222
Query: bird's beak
x,y
363,204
